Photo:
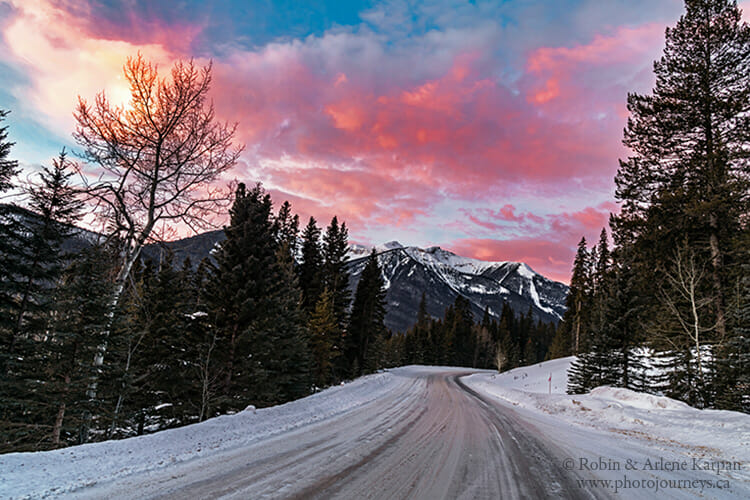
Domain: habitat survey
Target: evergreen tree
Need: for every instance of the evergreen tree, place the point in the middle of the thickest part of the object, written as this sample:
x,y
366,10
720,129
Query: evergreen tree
x,y
324,333
310,269
285,331
10,234
239,301
734,356
55,209
574,324
288,228
688,175
366,329
8,167
81,303
335,277
460,330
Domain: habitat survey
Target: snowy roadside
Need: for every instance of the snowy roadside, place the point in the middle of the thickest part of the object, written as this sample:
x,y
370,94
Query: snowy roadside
x,y
52,473
626,436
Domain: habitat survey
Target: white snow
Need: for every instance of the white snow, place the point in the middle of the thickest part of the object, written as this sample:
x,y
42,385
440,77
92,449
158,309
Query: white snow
x,y
53,473
621,424
611,424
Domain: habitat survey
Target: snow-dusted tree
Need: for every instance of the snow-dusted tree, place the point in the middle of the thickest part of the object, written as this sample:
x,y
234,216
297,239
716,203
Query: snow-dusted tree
x,y
154,159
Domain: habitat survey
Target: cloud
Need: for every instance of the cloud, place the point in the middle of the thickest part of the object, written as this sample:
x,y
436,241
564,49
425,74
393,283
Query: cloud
x,y
463,104
544,256
62,60
547,243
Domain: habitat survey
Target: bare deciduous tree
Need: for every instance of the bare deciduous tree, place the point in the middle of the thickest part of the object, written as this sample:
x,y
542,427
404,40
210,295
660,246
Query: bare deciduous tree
x,y
684,297
153,161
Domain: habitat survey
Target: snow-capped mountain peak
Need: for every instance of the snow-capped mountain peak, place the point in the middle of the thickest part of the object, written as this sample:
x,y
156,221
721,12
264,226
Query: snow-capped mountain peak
x,y
441,275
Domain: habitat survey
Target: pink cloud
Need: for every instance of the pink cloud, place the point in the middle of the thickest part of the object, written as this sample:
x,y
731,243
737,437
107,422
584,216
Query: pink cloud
x,y
63,60
595,77
547,257
342,125
549,244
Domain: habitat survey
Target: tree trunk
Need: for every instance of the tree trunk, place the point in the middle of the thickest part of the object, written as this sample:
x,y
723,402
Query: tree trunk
x,y
716,268
56,430
122,276
230,361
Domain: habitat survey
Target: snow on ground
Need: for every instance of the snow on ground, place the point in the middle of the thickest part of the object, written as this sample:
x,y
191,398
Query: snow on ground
x,y
52,473
620,424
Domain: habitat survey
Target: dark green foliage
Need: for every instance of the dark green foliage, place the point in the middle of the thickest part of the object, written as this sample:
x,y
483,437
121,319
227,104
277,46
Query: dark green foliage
x,y
253,301
45,393
734,356
54,202
572,333
8,167
288,228
10,248
324,333
685,193
365,336
335,277
310,269
457,340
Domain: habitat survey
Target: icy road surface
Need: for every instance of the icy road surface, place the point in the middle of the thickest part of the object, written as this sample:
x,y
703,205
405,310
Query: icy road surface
x,y
413,432
428,438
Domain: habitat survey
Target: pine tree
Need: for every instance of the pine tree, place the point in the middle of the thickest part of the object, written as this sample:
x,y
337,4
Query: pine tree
x,y
324,332
8,167
288,358
310,269
688,175
288,228
573,327
734,357
82,302
366,328
335,277
55,209
239,301
10,234
460,330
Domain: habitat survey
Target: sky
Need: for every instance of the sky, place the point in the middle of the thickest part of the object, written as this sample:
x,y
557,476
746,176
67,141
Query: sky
x,y
492,129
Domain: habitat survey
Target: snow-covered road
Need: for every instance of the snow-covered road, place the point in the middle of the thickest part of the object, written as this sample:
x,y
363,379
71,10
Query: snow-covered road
x,y
413,432
427,438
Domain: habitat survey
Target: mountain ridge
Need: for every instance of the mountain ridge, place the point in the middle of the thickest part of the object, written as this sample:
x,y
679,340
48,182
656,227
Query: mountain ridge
x,y
443,275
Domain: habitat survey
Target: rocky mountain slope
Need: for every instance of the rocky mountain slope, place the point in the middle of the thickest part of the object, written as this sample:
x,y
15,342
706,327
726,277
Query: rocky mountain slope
x,y
442,275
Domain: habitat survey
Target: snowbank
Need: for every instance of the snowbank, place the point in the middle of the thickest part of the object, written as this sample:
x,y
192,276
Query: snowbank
x,y
52,473
646,423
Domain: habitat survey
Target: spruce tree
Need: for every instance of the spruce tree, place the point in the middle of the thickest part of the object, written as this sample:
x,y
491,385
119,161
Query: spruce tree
x,y
288,228
573,327
56,208
10,234
688,174
287,360
324,333
366,328
239,300
310,269
734,357
81,303
8,167
335,277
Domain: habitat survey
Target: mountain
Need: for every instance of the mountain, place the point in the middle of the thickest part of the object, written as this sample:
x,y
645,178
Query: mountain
x,y
442,275
408,271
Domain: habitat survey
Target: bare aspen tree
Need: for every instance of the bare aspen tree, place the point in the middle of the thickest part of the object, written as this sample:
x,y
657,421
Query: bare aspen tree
x,y
683,297
153,160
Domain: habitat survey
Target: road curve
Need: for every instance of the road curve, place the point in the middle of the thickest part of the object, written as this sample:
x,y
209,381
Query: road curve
x,y
431,438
